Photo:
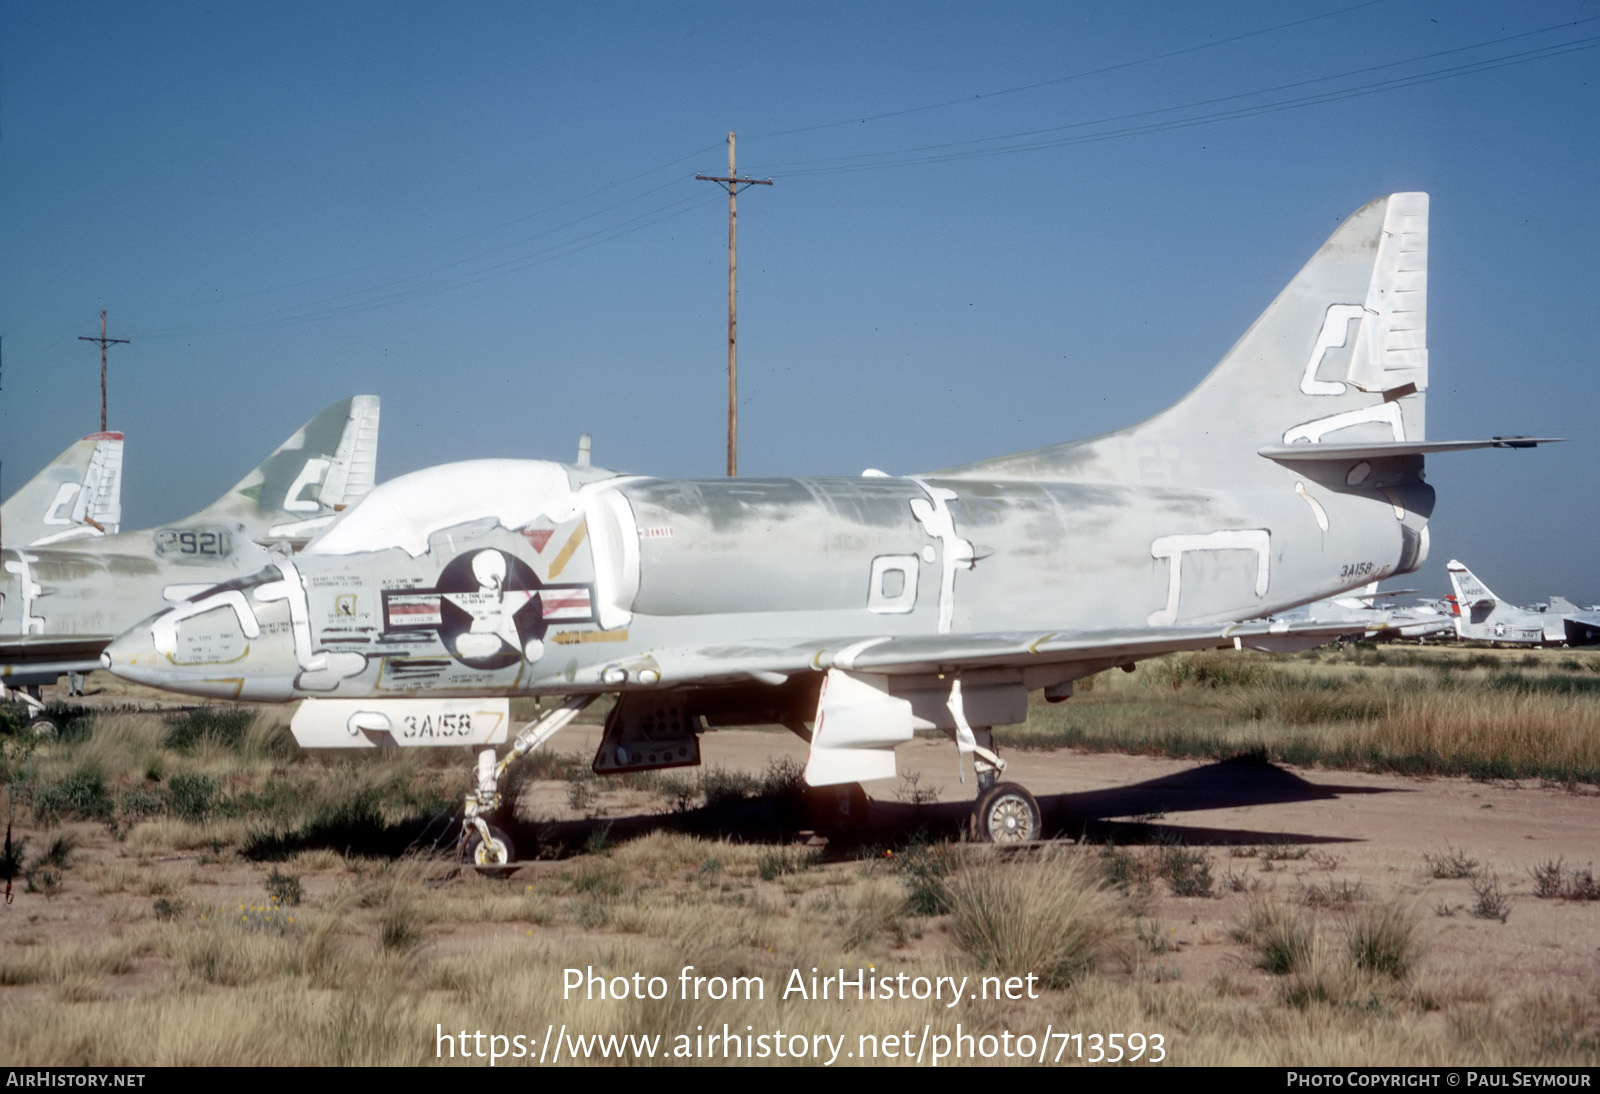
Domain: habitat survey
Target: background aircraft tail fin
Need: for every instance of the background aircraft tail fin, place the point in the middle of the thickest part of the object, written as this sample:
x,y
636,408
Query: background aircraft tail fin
x,y
328,465
1340,357
79,494
1484,617
1470,592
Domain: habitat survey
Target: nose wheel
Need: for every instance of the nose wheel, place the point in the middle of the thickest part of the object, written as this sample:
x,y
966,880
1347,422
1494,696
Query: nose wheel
x,y
487,845
1006,815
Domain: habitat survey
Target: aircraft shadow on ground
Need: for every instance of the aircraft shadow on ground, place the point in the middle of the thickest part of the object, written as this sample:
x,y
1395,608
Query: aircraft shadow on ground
x,y
1123,815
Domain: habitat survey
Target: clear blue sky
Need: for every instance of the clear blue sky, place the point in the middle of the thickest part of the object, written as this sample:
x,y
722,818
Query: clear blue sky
x,y
993,227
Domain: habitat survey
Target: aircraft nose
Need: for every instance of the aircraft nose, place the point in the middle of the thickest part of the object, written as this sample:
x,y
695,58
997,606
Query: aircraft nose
x,y
132,656
214,645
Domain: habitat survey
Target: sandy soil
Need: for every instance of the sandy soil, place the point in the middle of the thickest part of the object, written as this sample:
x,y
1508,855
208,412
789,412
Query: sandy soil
x,y
1375,830
1325,831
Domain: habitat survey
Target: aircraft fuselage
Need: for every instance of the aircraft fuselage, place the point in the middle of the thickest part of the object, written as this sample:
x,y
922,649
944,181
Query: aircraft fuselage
x,y
623,582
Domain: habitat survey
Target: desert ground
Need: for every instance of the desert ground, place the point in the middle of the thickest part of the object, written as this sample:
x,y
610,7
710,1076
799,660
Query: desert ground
x,y
1228,904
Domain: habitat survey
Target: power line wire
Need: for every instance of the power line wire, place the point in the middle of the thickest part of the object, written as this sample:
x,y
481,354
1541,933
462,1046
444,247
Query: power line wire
x,y
979,96
921,155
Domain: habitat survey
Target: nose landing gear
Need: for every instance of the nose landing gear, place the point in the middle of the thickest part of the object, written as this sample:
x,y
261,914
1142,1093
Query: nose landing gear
x,y
481,843
487,845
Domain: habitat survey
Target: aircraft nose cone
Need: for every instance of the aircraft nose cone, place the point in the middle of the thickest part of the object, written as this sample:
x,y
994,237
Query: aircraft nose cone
x,y
132,656
210,653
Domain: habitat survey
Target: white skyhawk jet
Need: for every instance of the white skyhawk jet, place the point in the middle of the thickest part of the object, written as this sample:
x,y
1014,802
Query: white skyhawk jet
x,y
855,611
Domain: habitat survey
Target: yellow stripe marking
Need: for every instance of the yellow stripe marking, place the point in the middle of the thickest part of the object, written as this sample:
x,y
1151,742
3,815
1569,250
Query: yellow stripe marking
x,y
566,551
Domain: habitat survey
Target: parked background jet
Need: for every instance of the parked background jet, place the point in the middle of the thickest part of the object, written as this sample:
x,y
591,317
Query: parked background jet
x,y
1365,617
60,605
77,496
868,607
1482,616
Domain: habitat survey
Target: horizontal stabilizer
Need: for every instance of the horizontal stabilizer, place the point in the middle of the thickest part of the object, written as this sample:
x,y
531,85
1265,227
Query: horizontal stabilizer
x,y
1384,449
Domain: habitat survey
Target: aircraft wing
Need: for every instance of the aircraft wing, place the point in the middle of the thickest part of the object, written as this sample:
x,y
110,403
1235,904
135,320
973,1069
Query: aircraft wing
x,y
947,654
42,658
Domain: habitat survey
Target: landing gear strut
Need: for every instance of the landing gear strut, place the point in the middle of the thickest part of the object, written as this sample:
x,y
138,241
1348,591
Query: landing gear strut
x,y
481,843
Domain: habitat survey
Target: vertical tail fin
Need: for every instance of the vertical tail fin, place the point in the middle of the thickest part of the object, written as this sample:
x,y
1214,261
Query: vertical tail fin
x,y
79,494
1471,594
1482,616
329,464
1339,357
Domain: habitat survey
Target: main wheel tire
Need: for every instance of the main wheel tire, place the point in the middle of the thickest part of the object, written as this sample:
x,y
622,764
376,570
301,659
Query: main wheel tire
x,y
44,728
498,851
1006,814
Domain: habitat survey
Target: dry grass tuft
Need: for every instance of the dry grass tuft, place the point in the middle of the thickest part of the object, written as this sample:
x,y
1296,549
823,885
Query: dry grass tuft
x,y
1047,915
1385,939
1282,936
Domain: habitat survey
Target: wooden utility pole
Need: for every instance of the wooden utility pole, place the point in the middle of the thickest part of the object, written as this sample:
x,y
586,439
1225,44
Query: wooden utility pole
x,y
104,342
733,184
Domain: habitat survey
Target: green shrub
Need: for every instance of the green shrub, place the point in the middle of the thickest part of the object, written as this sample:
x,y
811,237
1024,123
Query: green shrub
x,y
80,796
192,796
225,726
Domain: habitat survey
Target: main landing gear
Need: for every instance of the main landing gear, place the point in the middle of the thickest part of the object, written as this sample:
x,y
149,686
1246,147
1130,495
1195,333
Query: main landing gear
x,y
1005,814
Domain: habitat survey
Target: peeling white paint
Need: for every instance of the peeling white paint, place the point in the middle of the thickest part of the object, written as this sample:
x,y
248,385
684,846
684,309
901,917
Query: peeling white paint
x,y
966,741
1173,548
1394,503
60,510
1314,430
846,658
934,515
164,631
1316,506
1335,332
30,590
292,589
879,599
312,472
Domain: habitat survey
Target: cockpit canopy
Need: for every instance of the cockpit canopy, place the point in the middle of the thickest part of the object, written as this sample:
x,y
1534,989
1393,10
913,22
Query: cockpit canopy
x,y
405,511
